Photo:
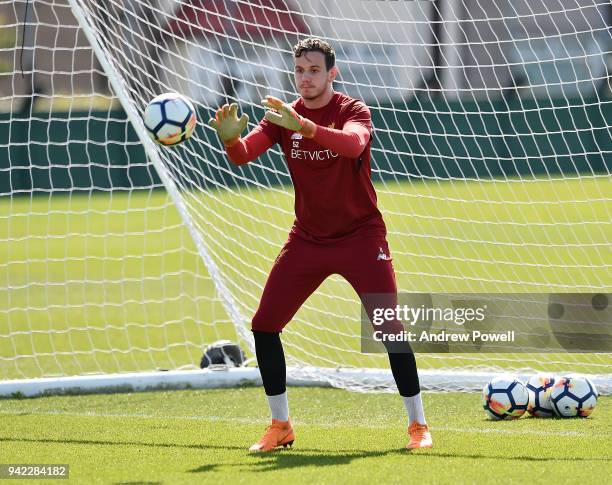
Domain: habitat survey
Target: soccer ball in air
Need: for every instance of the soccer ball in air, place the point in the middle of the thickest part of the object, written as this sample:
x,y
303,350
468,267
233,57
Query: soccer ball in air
x,y
538,388
573,396
170,119
505,397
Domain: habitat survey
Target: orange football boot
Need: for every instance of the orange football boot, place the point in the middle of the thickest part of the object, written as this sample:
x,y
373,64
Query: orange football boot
x,y
279,433
419,436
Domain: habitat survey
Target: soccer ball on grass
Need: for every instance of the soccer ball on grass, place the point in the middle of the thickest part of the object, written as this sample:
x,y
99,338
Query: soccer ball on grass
x,y
573,396
539,388
505,397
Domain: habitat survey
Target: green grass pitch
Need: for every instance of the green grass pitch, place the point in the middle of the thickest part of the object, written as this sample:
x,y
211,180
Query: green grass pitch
x,y
111,312
341,437
113,283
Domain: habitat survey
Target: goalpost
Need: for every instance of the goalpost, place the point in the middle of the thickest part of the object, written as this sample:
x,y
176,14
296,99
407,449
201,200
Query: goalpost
x,y
491,160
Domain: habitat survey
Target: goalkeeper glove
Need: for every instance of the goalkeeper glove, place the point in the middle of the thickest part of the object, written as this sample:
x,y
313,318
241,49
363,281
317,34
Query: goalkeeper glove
x,y
227,125
283,114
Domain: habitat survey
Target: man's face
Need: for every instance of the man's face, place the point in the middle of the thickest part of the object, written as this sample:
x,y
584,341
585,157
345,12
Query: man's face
x,y
311,75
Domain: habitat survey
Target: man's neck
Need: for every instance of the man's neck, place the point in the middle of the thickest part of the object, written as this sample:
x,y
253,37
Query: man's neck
x,y
320,101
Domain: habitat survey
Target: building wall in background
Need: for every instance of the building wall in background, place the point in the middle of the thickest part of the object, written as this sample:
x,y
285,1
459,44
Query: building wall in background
x,y
54,47
478,39
549,45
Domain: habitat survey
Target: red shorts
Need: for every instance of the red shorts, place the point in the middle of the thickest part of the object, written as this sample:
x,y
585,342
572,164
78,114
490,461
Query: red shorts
x,y
301,266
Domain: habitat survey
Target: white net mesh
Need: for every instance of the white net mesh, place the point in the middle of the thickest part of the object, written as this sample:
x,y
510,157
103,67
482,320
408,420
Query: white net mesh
x,y
98,273
491,160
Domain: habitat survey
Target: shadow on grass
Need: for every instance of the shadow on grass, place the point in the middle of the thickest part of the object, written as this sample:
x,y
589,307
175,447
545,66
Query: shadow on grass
x,y
137,483
68,441
294,458
300,457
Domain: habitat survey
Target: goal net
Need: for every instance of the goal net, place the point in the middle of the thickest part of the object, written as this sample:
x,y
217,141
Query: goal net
x,y
491,159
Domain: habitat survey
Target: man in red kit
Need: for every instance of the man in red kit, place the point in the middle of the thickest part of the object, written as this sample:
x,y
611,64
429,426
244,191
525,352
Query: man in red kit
x,y
325,136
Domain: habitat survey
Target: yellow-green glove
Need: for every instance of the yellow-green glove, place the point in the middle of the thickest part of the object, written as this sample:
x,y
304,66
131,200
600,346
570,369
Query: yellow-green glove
x,y
282,114
227,125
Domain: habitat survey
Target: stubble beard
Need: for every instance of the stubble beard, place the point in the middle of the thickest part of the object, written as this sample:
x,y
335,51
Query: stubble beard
x,y
314,96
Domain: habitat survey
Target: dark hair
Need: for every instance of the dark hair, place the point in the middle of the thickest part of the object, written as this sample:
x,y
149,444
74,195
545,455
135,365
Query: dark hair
x,y
314,44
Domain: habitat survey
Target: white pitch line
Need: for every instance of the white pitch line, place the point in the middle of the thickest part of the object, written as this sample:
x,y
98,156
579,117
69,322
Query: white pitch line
x,y
304,423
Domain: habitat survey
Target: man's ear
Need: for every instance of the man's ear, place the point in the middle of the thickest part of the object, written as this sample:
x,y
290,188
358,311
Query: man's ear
x,y
333,72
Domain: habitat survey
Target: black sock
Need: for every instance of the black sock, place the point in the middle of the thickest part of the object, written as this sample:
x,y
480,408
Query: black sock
x,y
271,361
404,369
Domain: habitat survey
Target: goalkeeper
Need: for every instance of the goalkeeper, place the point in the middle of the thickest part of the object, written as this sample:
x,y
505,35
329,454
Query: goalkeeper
x,y
325,136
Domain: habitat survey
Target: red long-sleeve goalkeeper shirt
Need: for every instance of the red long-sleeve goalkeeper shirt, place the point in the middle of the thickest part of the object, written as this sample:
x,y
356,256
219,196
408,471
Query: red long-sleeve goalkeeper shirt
x,y
334,195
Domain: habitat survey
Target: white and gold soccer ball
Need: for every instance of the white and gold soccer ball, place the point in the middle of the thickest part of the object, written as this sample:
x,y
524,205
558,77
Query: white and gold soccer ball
x,y
170,119
504,397
573,396
539,387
